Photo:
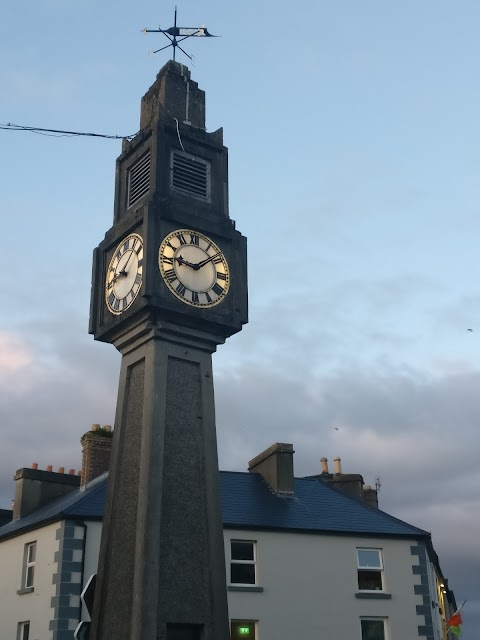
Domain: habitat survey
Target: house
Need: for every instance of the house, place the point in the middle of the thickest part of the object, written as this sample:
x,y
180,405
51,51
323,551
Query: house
x,y
304,559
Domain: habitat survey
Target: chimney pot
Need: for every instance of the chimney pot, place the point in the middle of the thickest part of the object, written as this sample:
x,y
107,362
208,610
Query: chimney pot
x,y
34,465
61,469
324,464
337,467
49,467
107,427
71,472
95,427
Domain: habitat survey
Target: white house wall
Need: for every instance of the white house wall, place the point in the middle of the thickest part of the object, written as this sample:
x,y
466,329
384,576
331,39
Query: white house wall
x,y
34,606
310,584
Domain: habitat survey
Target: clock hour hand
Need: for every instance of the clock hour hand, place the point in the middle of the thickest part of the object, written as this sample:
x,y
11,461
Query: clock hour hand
x,y
120,274
181,261
199,265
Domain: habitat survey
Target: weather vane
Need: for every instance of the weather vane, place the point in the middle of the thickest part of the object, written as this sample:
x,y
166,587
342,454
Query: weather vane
x,y
179,34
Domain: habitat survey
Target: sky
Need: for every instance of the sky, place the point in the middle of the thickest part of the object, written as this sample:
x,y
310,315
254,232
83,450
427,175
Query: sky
x,y
354,155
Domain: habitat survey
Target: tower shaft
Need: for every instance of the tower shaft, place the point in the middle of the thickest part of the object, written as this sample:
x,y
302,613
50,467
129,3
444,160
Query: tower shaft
x,y
162,567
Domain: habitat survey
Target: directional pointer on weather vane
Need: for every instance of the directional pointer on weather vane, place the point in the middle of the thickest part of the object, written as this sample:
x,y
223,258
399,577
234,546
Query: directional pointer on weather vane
x,y
178,34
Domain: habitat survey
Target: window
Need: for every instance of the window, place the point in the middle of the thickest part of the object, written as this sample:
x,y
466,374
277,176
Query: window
x,y
23,631
243,630
373,629
28,569
242,565
370,569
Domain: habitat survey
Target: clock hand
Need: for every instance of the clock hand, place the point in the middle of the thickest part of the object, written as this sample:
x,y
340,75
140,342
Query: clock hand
x,y
120,274
181,261
199,265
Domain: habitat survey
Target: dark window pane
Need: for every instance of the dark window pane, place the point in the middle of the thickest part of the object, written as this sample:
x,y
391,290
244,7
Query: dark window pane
x,y
25,631
373,630
31,553
369,558
243,630
242,573
242,550
29,576
370,580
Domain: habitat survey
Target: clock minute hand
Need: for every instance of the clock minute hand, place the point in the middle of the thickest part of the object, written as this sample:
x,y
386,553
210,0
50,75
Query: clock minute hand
x,y
199,265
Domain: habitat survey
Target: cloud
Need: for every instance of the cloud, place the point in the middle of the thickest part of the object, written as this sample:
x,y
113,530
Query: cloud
x,y
50,395
16,360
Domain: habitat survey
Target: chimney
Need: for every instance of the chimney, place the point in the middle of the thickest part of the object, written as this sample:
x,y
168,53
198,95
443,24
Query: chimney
x,y
370,496
337,467
351,483
97,448
34,488
275,465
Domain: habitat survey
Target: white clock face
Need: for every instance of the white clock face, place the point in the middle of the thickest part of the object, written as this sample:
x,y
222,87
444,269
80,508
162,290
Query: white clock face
x,y
124,274
194,268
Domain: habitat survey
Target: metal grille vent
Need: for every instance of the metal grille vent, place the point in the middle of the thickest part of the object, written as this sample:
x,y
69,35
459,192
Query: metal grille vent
x,y
190,175
139,179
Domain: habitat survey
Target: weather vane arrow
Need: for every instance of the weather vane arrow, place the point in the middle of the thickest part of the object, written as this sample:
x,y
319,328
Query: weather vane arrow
x,y
179,34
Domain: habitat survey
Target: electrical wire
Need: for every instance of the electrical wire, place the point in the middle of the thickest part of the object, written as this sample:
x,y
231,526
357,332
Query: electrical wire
x,y
58,133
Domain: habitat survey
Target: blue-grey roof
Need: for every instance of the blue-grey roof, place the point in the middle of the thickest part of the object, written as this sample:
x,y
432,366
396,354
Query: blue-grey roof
x,y
249,503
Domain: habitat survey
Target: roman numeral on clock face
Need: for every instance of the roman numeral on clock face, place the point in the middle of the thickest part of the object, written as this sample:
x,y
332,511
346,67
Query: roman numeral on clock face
x,y
217,289
221,276
170,275
194,239
180,289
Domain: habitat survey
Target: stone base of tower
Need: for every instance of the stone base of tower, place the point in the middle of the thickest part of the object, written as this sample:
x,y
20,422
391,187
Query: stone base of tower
x,y
162,566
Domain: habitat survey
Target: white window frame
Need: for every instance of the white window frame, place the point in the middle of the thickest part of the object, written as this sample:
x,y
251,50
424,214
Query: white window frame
x,y
386,634
250,562
29,564
21,627
366,568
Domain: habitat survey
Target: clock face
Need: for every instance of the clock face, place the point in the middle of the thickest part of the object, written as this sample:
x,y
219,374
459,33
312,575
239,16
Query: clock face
x,y
194,268
124,274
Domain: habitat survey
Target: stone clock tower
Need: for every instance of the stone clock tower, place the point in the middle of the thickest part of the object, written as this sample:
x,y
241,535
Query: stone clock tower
x,y
169,284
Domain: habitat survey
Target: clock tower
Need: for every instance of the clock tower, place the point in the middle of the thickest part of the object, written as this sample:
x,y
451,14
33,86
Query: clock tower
x,y
169,284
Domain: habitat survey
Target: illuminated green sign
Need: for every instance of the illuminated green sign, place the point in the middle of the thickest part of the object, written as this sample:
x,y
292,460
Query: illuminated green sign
x,y
244,631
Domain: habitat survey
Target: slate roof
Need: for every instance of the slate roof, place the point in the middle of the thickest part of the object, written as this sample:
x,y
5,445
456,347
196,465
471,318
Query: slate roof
x,y
248,503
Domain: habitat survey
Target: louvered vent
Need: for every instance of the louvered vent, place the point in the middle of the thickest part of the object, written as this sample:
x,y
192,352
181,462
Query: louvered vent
x,y
190,175
139,179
